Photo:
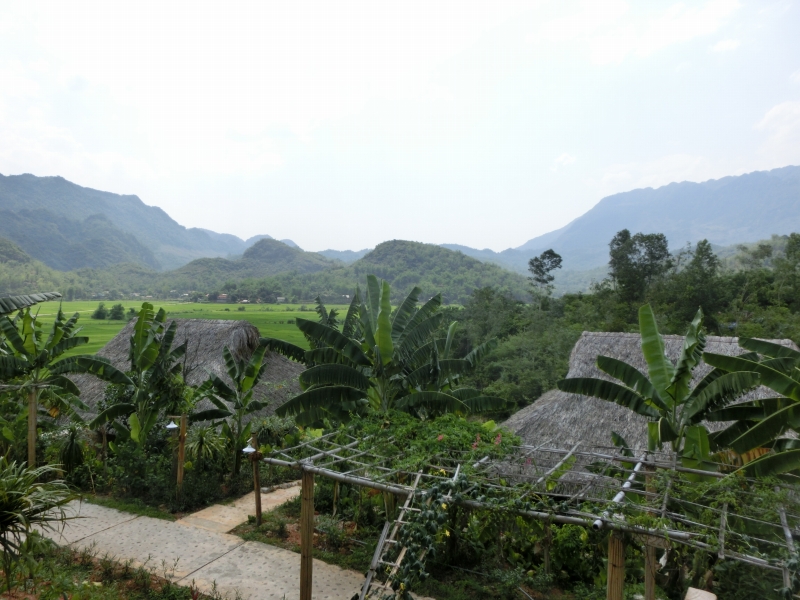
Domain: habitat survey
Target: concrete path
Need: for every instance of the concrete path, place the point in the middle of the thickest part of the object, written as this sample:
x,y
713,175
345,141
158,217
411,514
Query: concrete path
x,y
222,518
204,554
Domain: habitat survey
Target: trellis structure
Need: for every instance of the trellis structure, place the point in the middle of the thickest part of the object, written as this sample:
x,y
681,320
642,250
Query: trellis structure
x,y
598,488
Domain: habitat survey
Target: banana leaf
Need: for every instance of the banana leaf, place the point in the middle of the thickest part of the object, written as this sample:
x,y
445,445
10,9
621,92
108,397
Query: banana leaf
x,y
609,391
334,375
659,367
9,304
774,380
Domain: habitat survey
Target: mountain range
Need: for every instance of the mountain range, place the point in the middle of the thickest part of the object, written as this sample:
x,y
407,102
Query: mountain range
x,y
128,230
69,227
725,211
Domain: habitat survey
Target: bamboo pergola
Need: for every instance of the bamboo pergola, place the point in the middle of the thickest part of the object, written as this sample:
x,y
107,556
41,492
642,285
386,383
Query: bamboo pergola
x,y
597,488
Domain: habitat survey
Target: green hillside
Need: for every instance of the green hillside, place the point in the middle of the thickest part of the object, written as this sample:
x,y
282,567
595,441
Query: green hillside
x,y
167,243
265,258
270,269
435,269
66,244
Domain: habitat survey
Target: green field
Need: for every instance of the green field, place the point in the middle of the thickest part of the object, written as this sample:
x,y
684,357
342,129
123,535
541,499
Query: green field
x,y
271,319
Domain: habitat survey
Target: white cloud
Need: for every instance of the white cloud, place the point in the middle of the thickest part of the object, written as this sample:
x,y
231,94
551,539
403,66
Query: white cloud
x,y
725,45
795,77
562,161
781,123
610,31
658,172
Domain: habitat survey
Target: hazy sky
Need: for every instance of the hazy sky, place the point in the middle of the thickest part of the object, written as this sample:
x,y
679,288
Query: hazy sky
x,y
344,124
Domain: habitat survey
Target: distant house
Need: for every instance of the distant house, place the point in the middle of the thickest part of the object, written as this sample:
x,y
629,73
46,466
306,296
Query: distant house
x,y
222,298
280,299
206,338
564,419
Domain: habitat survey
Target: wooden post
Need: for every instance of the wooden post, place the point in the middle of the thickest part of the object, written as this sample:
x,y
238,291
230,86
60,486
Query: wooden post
x,y
335,496
650,564
256,458
616,568
306,535
650,573
181,452
548,540
31,429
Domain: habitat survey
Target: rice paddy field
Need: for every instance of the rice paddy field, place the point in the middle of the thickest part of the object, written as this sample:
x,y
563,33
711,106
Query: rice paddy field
x,y
272,320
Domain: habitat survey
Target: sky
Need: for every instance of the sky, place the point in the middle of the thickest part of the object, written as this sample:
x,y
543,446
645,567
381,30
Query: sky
x,y
344,124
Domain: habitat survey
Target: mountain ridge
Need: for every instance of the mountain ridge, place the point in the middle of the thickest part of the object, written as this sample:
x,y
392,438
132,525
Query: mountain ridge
x,y
171,244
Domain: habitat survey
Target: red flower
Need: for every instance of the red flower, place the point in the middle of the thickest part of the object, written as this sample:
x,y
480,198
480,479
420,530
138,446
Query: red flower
x,y
441,437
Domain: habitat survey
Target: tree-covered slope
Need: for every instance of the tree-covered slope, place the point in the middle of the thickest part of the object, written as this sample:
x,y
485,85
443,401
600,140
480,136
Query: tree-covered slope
x,y
172,244
67,244
265,258
724,211
435,269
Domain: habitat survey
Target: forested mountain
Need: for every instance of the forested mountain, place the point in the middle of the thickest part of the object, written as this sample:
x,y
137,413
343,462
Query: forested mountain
x,y
724,211
265,258
346,256
433,268
65,244
270,269
170,243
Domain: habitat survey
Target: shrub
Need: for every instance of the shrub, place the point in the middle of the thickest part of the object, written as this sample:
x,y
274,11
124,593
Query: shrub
x,y
26,502
101,312
117,312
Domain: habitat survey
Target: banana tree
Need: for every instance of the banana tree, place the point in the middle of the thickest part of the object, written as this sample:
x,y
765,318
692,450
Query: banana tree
x,y
31,366
381,360
675,411
235,403
759,424
11,304
154,362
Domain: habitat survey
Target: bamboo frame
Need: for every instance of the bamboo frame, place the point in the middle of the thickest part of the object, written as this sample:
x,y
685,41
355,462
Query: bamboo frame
x,y
347,459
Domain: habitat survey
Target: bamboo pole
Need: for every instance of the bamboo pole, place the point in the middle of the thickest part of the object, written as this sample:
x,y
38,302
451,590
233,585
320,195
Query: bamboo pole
x,y
306,535
181,452
649,550
257,479
650,572
616,568
32,429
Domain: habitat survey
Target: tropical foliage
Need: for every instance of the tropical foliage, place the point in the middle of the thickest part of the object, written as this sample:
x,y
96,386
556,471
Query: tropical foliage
x,y
235,403
149,390
382,359
26,503
675,410
31,365
762,424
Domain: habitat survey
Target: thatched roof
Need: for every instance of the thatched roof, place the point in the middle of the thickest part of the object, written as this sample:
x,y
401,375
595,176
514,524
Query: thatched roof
x,y
563,419
204,355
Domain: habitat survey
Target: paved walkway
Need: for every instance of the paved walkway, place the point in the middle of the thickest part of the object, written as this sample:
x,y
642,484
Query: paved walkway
x,y
205,552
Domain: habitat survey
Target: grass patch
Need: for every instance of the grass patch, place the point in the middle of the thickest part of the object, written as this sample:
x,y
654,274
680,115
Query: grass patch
x,y
133,506
272,320
56,573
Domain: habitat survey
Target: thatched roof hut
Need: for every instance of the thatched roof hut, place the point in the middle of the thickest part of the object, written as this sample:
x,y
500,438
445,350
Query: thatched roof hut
x,y
206,339
561,419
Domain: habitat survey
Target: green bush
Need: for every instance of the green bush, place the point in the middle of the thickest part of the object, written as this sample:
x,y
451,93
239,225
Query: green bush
x,y
101,312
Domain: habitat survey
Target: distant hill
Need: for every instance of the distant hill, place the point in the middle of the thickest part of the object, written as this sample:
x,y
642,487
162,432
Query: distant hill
x,y
65,244
346,256
265,258
10,252
170,244
725,211
511,259
435,269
